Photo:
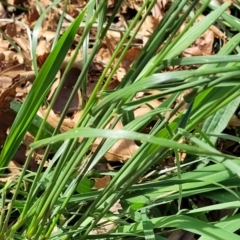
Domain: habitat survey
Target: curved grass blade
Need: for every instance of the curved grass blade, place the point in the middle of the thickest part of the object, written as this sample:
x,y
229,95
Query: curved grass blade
x,y
187,223
219,121
123,134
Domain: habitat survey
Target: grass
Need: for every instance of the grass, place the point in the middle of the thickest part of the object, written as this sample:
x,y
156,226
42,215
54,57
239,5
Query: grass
x,y
59,203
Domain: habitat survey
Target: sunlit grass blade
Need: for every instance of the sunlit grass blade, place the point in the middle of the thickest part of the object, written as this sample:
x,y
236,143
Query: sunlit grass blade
x,y
147,225
219,121
187,223
38,92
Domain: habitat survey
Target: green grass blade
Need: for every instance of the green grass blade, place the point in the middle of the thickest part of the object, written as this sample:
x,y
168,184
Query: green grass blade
x,y
219,121
187,223
123,134
231,224
147,225
35,125
38,92
36,30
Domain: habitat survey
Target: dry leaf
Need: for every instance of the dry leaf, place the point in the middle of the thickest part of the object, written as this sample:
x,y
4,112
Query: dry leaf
x,y
121,151
42,51
53,120
77,62
202,46
128,59
130,56
13,168
3,47
7,115
101,182
14,71
5,82
3,13
234,121
33,14
10,56
145,108
11,30
158,9
148,27
104,226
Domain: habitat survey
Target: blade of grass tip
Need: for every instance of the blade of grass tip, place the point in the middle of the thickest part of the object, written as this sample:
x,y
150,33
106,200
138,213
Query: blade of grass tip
x,y
57,33
228,163
225,136
36,30
219,121
187,223
200,60
231,224
38,92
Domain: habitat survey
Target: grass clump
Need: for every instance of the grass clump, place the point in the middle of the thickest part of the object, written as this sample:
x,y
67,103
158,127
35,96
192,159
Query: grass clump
x,y
199,95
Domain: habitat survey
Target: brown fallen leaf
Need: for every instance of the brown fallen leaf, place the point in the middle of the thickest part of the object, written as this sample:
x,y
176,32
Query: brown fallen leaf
x,y
146,108
234,121
42,51
15,70
53,120
33,14
7,115
5,82
13,168
128,59
3,13
101,182
122,150
158,10
202,46
148,27
3,47
10,56
16,34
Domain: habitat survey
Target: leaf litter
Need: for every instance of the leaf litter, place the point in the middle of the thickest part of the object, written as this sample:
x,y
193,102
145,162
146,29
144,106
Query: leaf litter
x,y
17,75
